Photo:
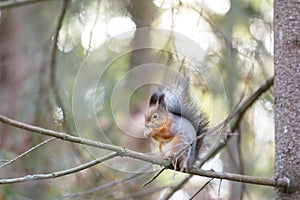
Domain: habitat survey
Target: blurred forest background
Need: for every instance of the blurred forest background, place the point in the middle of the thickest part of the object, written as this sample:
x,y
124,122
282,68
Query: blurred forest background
x,y
74,66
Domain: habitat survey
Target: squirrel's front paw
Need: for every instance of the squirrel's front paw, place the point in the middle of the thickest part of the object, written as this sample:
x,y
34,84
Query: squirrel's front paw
x,y
147,132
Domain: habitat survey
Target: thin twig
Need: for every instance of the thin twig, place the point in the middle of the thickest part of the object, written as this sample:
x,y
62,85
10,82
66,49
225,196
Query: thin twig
x,y
142,193
53,48
17,3
53,61
238,116
201,188
154,177
59,173
280,182
177,187
99,188
249,102
93,27
26,152
219,188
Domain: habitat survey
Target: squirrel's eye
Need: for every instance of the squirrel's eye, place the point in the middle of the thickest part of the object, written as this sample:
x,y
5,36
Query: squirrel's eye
x,y
155,116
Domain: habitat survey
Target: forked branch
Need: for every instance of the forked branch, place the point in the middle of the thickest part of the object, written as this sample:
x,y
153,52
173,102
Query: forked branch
x,y
119,151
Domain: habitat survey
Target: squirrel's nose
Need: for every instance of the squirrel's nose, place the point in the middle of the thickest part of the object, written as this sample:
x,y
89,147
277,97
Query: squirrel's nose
x,y
147,125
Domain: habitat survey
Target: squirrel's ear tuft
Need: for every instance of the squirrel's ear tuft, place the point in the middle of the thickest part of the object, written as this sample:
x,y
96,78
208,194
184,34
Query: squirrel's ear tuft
x,y
161,102
154,99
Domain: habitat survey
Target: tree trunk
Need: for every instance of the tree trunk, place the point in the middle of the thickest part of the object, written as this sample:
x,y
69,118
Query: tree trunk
x,y
11,77
287,95
143,13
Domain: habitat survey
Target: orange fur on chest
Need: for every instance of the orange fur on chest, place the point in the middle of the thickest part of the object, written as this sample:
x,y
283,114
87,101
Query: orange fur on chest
x,y
164,134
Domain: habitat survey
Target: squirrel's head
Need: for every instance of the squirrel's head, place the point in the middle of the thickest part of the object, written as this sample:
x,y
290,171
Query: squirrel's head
x,y
157,115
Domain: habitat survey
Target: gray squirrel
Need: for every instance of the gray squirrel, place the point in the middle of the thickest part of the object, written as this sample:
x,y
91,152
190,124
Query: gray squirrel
x,y
175,120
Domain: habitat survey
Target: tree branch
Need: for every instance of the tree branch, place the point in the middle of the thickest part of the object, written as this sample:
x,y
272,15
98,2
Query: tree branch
x,y
238,115
154,177
53,50
201,188
99,188
17,3
140,194
174,189
121,151
26,152
59,173
280,182
249,102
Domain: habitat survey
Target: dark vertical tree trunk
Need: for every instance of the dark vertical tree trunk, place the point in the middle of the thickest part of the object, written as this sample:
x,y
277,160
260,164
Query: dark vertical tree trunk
x,y
287,95
11,76
143,13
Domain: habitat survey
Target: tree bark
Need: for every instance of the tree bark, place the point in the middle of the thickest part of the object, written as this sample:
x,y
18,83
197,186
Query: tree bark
x,y
287,95
11,77
143,13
